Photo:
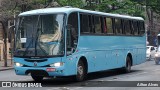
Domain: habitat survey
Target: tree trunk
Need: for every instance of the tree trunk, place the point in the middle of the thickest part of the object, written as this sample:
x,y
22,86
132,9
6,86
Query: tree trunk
x,y
5,42
150,26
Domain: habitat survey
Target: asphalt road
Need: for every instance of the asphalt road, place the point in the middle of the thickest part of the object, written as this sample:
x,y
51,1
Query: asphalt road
x,y
141,75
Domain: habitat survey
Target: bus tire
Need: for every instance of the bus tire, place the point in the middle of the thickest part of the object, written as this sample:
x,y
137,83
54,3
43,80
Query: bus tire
x,y
81,71
37,78
127,68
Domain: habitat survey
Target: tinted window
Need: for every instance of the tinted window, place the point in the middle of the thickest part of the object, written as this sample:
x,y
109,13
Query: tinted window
x,y
127,27
91,24
141,28
135,27
108,24
98,28
118,28
84,21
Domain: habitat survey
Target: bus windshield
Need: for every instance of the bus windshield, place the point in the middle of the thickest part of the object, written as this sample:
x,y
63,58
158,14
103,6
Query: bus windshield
x,y
39,35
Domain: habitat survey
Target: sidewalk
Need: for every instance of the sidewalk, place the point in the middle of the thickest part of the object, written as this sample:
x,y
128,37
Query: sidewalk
x,y
9,65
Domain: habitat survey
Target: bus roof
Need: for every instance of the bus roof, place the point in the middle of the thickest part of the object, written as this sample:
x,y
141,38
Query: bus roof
x,y
69,10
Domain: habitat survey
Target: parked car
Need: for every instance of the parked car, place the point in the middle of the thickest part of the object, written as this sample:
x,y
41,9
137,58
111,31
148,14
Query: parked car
x,y
150,54
157,56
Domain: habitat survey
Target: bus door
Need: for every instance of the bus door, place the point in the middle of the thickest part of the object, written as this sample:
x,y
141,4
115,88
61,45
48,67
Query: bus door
x,y
72,33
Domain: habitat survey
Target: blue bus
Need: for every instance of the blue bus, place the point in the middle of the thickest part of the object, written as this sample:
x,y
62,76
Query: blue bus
x,y
68,41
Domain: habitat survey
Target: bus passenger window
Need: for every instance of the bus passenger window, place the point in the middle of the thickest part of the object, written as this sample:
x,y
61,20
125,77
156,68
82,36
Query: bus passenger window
x,y
141,28
84,21
105,25
97,25
127,27
90,20
118,28
109,26
135,27
131,27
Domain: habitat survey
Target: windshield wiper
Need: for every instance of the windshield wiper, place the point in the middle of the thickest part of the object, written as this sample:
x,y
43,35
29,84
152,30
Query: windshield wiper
x,y
36,41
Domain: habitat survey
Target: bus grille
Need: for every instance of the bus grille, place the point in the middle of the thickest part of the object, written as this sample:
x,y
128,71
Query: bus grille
x,y
37,60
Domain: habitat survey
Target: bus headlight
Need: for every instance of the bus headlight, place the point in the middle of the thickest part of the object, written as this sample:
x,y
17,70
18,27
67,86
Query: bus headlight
x,y
18,64
156,55
58,64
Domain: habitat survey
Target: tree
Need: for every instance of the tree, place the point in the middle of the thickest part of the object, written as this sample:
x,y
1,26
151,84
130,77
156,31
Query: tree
x,y
6,11
121,7
154,5
73,3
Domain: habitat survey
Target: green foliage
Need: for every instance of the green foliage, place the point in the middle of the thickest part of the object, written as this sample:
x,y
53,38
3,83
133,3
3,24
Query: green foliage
x,y
154,5
142,2
73,3
122,7
150,4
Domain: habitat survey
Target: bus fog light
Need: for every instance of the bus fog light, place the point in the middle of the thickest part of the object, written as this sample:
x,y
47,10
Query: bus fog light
x,y
58,64
18,64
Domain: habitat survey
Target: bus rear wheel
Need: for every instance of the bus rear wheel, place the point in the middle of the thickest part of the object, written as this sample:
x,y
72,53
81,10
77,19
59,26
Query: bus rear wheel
x,y
37,78
81,71
127,68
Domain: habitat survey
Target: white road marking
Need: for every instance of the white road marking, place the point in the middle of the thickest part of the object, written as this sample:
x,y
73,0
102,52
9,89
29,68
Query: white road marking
x,y
53,89
77,88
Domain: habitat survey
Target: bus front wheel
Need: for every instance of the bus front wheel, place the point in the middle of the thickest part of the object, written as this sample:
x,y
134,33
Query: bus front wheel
x,y
37,78
81,71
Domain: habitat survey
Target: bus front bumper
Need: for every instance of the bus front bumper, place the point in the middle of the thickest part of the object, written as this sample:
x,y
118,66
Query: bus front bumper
x,y
40,71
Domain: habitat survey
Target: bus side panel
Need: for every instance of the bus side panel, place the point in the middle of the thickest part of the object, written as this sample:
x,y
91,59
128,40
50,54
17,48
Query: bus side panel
x,y
109,52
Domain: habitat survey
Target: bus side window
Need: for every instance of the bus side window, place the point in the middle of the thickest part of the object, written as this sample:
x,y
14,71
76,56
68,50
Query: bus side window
x,y
131,27
102,25
109,25
138,25
135,27
118,28
98,28
127,27
142,28
105,25
84,23
91,27
122,25
72,33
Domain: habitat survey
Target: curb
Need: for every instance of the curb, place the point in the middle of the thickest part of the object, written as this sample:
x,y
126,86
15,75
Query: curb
x,y
6,69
